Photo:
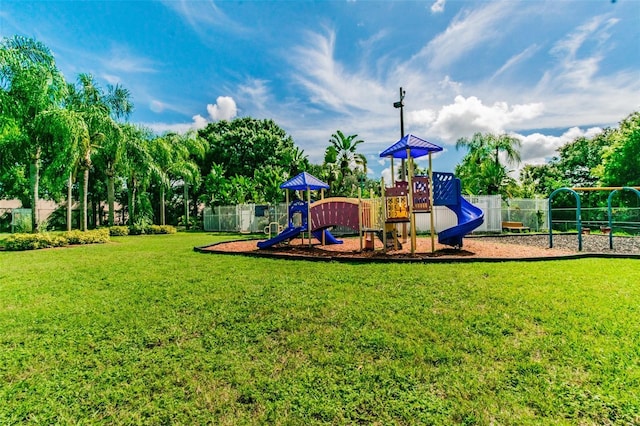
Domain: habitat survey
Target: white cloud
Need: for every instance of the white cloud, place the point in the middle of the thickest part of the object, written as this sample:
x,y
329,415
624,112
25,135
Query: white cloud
x,y
516,59
224,109
422,117
468,31
327,81
539,149
573,71
121,59
199,122
160,127
467,116
156,106
450,85
255,92
438,6
203,16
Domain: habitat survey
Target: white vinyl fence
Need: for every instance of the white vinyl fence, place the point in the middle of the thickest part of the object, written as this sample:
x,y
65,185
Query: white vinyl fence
x,y
256,218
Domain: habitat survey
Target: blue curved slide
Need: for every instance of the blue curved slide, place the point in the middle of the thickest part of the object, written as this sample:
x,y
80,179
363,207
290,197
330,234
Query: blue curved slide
x,y
290,233
469,218
328,236
286,234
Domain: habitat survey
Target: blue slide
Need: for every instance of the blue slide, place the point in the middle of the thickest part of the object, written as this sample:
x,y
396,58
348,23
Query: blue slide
x,y
287,234
469,218
328,236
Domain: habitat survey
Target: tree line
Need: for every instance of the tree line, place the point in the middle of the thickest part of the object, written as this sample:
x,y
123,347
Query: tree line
x,y
72,142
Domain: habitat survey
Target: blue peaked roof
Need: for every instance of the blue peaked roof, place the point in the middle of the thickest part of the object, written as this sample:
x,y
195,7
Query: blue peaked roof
x,y
304,181
418,147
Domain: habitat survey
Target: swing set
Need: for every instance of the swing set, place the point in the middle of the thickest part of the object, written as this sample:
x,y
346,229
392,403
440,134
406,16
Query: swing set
x,y
574,192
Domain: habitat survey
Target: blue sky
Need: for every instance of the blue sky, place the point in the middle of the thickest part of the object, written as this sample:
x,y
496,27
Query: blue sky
x,y
544,71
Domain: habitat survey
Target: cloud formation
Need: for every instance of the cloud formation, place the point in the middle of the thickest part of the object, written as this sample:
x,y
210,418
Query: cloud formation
x,y
469,30
224,109
438,6
466,116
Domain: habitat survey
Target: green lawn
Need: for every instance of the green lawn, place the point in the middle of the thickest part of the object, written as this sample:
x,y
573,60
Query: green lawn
x,y
145,331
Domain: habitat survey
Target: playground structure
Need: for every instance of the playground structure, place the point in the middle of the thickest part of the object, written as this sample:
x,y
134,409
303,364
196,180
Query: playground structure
x,y
399,204
574,192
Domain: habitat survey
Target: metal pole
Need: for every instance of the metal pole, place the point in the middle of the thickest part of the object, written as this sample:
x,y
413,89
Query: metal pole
x,y
400,105
403,165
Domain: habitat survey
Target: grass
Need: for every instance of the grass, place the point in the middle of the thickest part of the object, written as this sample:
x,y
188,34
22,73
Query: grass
x,y
145,331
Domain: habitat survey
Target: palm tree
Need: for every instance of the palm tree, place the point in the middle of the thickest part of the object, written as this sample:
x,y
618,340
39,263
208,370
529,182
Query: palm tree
x,y
111,151
340,160
71,132
30,86
174,154
346,155
481,167
138,165
88,99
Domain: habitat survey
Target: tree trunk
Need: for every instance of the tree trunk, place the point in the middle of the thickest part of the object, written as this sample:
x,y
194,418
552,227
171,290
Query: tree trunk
x,y
69,200
84,190
186,205
162,217
111,196
132,200
34,175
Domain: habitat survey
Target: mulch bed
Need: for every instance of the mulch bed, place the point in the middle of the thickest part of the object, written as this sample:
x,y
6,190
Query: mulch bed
x,y
475,248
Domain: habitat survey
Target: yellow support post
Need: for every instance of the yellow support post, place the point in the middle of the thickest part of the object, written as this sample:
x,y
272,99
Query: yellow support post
x,y
431,220
412,215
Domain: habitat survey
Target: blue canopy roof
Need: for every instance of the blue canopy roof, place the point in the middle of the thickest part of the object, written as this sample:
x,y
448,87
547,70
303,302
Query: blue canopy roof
x,y
418,147
304,181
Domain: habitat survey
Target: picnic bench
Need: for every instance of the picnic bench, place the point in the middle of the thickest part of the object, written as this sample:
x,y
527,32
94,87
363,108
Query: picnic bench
x,y
514,226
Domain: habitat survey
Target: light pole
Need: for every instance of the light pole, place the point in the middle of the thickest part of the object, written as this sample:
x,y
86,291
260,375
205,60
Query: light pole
x,y
400,105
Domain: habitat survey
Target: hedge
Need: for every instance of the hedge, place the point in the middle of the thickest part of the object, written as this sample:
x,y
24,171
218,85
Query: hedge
x,y
17,242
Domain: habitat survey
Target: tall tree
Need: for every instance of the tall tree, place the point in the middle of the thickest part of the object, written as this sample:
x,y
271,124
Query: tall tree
x,y
30,86
88,99
621,162
481,170
246,147
347,155
110,154
342,159
139,167
174,155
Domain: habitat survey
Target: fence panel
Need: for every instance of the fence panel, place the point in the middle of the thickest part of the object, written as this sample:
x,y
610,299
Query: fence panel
x,y
255,218
532,212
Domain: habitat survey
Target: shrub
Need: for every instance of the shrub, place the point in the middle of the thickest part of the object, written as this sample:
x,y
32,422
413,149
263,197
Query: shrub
x,y
119,231
136,229
160,229
17,242
87,237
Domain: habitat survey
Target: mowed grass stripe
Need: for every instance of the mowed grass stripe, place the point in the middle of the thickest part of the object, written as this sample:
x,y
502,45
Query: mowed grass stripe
x,y
144,330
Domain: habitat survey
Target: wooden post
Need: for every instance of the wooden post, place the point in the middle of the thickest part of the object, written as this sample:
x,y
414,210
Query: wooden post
x,y
384,215
431,219
393,175
412,216
324,239
360,215
309,215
